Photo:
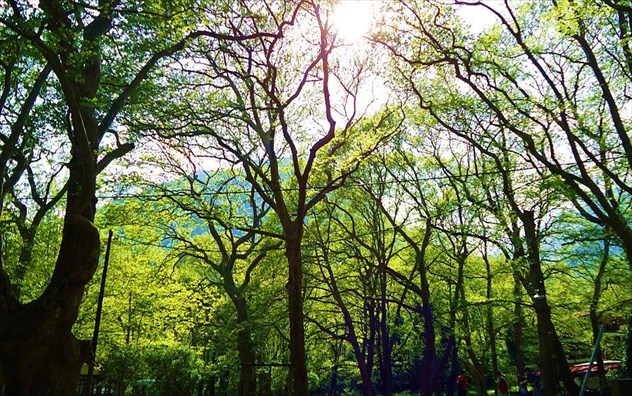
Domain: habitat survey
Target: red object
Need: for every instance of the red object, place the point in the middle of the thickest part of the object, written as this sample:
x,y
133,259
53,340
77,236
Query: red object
x,y
583,367
502,385
461,380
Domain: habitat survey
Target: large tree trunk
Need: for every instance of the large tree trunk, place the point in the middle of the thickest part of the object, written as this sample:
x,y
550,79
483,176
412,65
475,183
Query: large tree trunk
x,y
246,349
553,360
429,359
47,362
300,385
40,355
38,352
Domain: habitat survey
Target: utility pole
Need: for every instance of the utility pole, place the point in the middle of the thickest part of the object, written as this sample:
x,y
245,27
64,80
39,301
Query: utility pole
x,y
87,390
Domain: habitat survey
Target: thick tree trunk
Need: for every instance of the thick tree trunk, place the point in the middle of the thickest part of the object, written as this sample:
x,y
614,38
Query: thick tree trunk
x,y
246,349
300,385
40,355
546,354
47,362
429,359
553,360
38,352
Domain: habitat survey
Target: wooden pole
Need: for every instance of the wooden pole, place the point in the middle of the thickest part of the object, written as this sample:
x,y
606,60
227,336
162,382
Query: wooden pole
x,y
97,322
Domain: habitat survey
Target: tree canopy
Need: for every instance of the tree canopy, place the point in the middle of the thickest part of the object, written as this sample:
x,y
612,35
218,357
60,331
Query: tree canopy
x,y
298,210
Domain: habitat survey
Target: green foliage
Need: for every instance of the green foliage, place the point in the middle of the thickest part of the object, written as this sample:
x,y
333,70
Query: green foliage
x,y
509,120
124,364
176,369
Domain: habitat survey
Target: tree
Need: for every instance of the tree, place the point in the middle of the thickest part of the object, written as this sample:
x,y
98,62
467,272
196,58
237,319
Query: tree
x,y
359,333
403,169
278,122
368,247
210,219
70,41
548,107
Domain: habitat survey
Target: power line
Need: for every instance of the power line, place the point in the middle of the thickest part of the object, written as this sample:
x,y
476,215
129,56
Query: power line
x,y
183,193
186,193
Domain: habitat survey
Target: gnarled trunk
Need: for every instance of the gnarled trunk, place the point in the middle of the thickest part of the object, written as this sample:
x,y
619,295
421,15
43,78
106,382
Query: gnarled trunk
x,y
39,353
47,362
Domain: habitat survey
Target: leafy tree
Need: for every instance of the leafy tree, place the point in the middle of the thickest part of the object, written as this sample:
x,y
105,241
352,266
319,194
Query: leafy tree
x,y
277,121
354,246
211,220
177,370
558,122
67,40
71,42
125,365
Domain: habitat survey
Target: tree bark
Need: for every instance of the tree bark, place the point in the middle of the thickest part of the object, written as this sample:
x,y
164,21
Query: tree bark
x,y
552,357
38,352
40,355
247,371
294,234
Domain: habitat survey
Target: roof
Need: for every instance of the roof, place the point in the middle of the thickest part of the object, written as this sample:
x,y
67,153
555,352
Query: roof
x,y
583,367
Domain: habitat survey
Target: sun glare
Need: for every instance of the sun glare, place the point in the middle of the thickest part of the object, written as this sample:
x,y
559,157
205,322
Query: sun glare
x,y
352,19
